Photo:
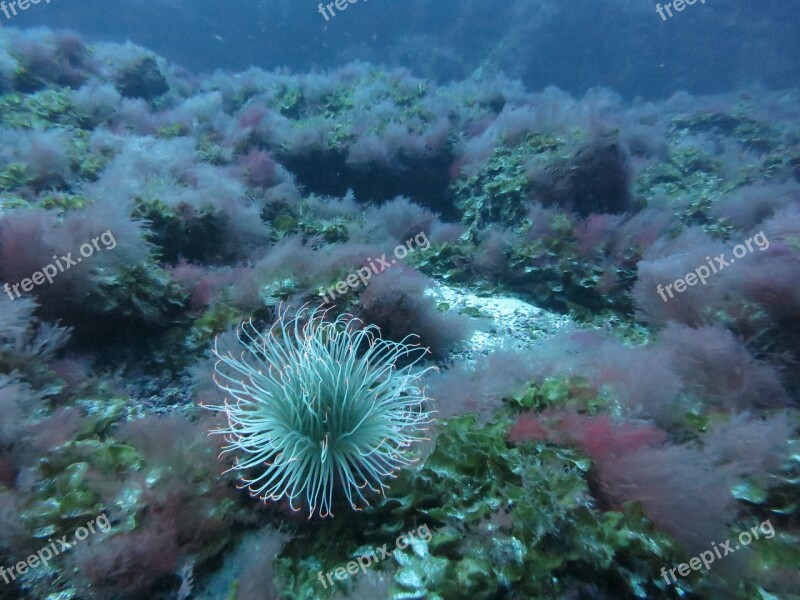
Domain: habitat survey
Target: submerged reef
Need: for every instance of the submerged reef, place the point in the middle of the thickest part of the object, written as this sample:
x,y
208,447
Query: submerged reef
x,y
640,410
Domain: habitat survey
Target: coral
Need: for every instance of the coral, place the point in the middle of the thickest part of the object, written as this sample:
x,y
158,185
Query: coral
x,y
316,412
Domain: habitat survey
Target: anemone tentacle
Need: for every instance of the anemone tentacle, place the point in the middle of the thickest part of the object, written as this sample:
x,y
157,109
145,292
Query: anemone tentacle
x,y
319,406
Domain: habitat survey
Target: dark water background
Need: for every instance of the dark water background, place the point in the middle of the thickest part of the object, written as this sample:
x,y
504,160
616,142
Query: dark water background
x,y
575,45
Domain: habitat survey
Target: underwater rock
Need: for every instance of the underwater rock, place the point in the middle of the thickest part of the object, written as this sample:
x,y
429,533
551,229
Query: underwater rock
x,y
143,80
595,180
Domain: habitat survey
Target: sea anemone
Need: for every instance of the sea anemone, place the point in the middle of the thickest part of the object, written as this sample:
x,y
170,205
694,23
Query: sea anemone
x,y
320,405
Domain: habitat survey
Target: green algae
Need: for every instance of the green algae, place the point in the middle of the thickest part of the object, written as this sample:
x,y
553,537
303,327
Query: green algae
x,y
500,516
500,191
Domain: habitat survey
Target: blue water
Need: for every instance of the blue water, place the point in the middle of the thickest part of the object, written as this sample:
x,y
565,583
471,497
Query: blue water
x,y
403,299
622,44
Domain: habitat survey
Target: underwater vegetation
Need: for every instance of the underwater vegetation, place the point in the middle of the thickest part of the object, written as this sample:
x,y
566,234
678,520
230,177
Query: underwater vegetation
x,y
582,433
